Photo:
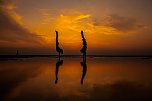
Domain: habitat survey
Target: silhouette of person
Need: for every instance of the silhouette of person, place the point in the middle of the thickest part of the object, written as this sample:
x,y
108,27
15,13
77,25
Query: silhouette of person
x,y
84,48
58,64
84,65
58,49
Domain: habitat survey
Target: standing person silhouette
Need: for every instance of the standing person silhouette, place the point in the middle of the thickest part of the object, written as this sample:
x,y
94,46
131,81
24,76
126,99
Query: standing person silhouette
x,y
84,48
58,49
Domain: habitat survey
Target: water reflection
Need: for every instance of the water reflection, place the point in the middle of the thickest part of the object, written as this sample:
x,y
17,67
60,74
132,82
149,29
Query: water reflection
x,y
106,80
58,64
84,66
13,73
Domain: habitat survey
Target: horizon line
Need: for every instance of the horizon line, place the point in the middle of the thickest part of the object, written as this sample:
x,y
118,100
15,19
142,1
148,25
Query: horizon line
x,y
54,55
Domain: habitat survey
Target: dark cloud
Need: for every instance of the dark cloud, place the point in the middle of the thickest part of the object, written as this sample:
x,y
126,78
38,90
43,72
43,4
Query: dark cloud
x,y
4,3
119,22
13,33
123,23
97,22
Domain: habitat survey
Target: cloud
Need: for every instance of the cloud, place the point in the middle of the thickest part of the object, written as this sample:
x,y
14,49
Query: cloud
x,y
123,23
11,32
47,18
7,4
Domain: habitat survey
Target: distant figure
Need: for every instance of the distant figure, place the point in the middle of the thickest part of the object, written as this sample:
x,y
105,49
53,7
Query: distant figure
x,y
84,65
58,49
84,49
58,64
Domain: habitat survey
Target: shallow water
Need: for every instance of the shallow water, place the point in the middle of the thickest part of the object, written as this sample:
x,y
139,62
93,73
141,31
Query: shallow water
x,y
99,79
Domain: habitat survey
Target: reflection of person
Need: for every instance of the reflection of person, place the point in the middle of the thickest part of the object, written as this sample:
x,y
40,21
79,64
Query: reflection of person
x,y
84,49
58,64
84,65
58,49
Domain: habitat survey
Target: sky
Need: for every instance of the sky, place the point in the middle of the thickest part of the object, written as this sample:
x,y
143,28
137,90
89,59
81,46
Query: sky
x,y
111,27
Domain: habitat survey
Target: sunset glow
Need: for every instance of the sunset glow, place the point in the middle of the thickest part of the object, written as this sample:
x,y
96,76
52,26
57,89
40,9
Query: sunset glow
x,y
75,50
105,28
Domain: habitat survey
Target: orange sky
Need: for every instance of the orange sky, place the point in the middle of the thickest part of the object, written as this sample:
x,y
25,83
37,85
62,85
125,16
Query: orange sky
x,y
107,25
